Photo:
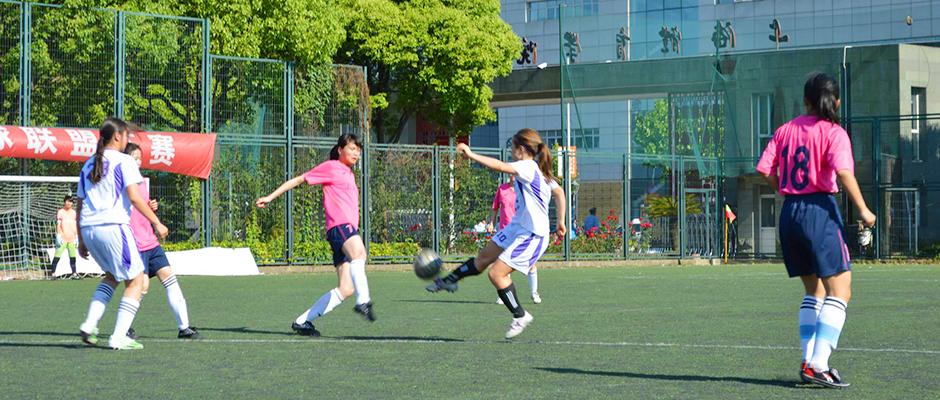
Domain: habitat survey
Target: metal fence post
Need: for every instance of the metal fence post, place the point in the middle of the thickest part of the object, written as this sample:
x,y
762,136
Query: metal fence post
x,y
289,162
26,44
436,191
876,179
120,61
206,185
625,206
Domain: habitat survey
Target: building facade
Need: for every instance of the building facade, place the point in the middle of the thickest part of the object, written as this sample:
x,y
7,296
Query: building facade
x,y
711,80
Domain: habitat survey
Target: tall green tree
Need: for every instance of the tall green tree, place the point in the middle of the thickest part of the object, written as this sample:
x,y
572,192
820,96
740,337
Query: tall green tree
x,y
433,57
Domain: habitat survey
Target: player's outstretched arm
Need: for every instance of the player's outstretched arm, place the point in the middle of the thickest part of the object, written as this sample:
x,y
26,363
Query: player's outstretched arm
x,y
560,210
485,161
263,201
82,250
848,181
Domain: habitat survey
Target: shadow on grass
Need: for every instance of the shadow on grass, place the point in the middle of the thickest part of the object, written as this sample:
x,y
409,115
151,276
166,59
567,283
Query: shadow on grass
x,y
59,345
36,333
399,338
245,329
685,378
448,301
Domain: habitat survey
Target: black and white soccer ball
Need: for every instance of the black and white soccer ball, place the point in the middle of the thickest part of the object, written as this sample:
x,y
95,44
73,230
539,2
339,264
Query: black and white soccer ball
x,y
427,264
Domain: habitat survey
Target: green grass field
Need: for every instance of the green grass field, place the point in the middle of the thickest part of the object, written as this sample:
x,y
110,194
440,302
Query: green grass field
x,y
632,332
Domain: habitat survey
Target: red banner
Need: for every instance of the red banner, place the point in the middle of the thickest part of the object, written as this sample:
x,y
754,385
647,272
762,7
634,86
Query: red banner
x,y
181,153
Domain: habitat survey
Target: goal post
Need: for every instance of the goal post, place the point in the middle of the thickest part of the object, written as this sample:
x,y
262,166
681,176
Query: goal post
x,y
28,206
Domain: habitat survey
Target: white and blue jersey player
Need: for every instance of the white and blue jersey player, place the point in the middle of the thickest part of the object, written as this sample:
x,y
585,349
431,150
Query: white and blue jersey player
x,y
520,244
107,189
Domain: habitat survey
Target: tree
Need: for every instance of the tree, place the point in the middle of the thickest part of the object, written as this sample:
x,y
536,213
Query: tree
x,y
433,57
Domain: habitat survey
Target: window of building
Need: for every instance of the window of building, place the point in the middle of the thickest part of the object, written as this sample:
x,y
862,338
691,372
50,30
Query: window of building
x,y
587,139
543,10
768,212
918,107
762,128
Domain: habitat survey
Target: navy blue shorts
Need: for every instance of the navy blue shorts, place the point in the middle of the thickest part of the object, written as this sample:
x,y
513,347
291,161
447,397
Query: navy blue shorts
x,y
338,235
154,260
811,236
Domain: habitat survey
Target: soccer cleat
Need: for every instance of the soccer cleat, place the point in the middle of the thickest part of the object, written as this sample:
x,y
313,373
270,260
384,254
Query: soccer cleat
x,y
189,333
131,333
89,338
806,373
518,325
439,285
499,300
305,329
365,309
829,379
536,298
124,343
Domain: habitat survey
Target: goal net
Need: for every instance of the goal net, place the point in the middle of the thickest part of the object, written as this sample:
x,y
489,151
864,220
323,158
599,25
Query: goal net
x,y
28,206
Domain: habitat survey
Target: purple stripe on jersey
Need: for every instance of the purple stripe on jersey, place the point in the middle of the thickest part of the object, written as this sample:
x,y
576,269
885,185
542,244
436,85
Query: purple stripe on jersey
x,y
520,195
125,251
118,182
536,185
535,255
521,248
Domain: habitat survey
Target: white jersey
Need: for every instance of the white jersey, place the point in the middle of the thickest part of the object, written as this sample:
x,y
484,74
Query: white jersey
x,y
106,202
533,192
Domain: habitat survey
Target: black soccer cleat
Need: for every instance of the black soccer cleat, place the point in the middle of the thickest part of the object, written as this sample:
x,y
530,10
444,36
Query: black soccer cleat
x,y
189,333
365,310
829,379
440,284
131,333
305,329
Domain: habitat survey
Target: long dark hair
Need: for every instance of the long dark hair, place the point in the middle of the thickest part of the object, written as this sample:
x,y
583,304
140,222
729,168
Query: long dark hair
x,y
821,94
131,146
344,140
106,133
530,142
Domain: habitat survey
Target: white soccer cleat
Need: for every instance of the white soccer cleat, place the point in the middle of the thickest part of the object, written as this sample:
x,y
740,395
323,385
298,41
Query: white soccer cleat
x,y
536,298
124,343
518,325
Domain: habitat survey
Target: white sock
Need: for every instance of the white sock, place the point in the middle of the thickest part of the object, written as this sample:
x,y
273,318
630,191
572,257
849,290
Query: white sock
x,y
324,304
125,317
828,329
357,269
809,313
99,302
174,297
534,281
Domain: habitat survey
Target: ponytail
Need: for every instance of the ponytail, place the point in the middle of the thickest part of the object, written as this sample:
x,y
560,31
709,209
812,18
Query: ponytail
x,y
821,95
530,141
110,127
334,152
543,157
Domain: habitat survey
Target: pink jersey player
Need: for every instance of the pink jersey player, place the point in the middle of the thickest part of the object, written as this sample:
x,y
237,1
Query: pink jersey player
x,y
805,154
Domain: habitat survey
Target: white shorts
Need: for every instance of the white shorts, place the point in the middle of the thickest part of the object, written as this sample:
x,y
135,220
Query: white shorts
x,y
114,249
521,248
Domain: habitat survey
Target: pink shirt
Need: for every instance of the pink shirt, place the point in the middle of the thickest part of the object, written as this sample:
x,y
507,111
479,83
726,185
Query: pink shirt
x,y
140,226
505,202
805,154
340,194
67,225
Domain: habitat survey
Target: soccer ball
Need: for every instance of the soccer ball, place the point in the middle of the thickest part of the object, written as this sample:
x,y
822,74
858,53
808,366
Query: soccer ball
x,y
427,264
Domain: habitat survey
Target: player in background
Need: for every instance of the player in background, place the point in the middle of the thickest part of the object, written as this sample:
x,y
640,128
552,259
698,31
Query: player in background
x,y
803,161
107,188
66,230
520,244
154,258
504,206
341,206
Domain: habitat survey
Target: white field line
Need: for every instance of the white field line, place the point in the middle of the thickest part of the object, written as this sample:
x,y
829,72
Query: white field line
x,y
485,342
